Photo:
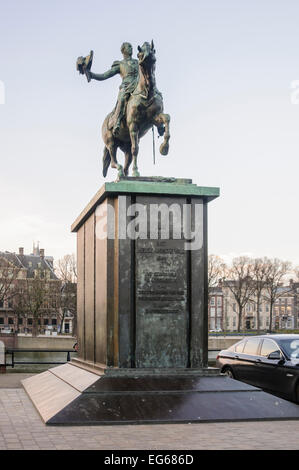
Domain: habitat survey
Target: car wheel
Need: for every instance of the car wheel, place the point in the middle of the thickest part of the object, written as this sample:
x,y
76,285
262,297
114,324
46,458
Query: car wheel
x,y
229,372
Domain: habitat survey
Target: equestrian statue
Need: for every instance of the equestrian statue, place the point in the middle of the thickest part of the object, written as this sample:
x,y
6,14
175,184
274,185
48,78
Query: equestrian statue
x,y
139,106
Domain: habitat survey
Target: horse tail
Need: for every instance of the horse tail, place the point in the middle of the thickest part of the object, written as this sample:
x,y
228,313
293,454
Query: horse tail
x,y
106,161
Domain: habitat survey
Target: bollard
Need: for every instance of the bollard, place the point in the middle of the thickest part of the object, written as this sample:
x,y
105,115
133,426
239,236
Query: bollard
x,y
2,358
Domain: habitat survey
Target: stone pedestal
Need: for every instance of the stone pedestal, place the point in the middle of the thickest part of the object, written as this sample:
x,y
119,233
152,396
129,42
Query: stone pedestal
x,y
142,276
143,317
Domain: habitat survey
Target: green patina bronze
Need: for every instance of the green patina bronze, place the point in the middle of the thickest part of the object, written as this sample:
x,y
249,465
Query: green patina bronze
x,y
147,185
139,106
164,186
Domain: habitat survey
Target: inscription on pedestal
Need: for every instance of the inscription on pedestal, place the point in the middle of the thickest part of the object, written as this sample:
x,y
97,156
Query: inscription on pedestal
x,y
161,303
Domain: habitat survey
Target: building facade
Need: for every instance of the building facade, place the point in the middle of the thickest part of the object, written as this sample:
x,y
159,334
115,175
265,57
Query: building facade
x,y
216,309
31,295
223,310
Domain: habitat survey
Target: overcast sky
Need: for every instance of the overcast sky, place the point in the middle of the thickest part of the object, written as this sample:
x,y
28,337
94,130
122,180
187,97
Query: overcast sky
x,y
225,69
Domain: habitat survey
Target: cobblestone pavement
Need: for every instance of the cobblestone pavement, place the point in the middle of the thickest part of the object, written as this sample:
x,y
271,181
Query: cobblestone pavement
x,y
22,428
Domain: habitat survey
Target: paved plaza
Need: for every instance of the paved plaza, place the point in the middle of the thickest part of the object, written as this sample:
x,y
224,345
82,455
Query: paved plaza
x,y
22,428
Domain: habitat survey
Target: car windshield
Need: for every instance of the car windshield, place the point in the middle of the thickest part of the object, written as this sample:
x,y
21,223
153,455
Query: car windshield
x,y
291,347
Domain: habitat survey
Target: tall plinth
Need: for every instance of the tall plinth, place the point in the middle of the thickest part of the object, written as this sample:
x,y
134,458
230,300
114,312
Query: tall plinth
x,y
142,276
143,317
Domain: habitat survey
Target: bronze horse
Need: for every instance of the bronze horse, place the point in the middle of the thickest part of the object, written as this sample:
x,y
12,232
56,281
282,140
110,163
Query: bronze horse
x,y
144,109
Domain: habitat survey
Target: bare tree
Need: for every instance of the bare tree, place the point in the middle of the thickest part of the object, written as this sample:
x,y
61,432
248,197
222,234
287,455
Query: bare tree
x,y
238,280
9,273
35,297
260,272
68,303
276,271
30,301
66,270
216,271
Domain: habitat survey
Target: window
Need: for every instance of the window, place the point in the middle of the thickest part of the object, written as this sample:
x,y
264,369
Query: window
x,y
1,321
251,346
20,321
212,300
1,303
46,321
10,321
268,347
239,348
219,302
212,311
30,321
291,346
54,321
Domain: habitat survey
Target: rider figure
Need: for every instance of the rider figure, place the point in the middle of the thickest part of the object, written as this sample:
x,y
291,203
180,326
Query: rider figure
x,y
128,70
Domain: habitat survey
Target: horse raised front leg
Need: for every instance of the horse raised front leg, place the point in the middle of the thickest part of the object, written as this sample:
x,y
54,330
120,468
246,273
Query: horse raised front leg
x,y
134,148
164,119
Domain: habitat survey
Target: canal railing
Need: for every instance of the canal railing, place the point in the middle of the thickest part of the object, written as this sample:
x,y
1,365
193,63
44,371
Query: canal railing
x,y
13,351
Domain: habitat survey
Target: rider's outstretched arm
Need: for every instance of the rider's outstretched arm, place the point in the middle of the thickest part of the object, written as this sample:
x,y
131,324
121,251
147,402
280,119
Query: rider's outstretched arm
x,y
110,73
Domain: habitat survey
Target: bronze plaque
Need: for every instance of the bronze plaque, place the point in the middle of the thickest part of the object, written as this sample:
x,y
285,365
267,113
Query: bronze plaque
x,y
162,313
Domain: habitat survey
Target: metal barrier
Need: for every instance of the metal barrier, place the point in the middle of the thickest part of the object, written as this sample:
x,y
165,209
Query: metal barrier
x,y
13,351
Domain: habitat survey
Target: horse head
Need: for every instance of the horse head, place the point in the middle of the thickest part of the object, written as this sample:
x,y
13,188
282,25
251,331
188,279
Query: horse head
x,y
146,55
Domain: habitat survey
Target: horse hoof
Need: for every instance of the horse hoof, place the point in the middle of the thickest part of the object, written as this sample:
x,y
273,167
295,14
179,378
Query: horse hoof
x,y
164,148
136,173
120,171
